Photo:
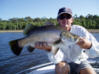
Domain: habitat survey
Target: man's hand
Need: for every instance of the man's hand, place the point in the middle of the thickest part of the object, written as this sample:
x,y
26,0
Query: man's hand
x,y
43,45
84,43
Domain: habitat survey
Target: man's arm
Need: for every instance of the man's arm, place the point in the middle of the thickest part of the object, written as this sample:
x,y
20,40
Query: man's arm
x,y
84,43
89,43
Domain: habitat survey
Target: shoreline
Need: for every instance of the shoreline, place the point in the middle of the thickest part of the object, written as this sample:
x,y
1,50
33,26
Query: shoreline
x,y
93,30
90,30
11,30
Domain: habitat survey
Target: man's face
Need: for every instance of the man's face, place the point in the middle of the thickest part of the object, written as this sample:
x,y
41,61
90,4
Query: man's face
x,y
65,21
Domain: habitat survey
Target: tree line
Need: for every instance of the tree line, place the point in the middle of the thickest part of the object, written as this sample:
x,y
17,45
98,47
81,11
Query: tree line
x,y
89,22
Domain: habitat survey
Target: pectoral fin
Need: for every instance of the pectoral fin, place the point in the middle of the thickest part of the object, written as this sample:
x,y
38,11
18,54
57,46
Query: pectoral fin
x,y
30,48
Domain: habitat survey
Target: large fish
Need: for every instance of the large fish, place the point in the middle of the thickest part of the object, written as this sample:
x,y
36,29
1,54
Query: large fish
x,y
49,33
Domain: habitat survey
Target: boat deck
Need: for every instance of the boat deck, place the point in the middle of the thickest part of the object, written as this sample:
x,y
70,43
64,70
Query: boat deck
x,y
47,68
44,70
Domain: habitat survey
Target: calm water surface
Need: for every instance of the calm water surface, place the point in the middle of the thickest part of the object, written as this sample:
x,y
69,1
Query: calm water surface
x,y
11,64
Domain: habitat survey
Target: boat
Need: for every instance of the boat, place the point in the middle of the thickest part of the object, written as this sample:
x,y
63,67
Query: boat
x,y
47,68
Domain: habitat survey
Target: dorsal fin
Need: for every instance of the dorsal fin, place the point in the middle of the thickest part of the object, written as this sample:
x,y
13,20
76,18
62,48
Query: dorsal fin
x,y
29,28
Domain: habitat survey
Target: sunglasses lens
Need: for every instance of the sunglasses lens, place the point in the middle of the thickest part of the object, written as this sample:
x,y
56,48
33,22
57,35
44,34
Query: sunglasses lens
x,y
65,16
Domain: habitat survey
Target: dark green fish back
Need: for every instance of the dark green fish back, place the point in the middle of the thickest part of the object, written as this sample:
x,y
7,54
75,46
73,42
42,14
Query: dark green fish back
x,y
30,28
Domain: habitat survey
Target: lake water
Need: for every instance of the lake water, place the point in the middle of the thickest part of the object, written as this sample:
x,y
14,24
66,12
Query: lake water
x,y
11,64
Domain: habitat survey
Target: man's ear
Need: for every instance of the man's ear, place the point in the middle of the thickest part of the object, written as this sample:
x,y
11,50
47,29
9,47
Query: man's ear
x,y
72,19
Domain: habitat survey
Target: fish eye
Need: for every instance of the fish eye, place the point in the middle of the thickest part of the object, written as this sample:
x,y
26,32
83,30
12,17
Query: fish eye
x,y
63,33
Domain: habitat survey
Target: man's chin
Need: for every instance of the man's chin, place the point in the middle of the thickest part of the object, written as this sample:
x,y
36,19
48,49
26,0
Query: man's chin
x,y
67,27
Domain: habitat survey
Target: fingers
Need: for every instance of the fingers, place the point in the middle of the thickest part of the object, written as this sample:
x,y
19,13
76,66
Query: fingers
x,y
42,45
84,43
80,41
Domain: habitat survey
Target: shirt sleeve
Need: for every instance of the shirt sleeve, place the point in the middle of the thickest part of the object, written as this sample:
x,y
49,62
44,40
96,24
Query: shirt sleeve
x,y
58,57
94,50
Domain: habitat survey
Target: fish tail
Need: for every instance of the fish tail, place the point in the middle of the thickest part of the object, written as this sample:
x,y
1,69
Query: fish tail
x,y
16,49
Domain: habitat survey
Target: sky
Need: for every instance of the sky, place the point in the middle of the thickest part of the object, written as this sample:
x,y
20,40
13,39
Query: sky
x,y
45,8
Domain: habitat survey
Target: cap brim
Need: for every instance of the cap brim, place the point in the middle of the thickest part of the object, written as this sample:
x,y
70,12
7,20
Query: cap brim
x,y
63,13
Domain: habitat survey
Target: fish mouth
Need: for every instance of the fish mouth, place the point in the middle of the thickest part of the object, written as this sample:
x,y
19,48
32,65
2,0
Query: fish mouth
x,y
66,35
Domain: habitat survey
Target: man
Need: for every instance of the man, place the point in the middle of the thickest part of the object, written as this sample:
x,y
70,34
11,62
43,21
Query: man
x,y
73,59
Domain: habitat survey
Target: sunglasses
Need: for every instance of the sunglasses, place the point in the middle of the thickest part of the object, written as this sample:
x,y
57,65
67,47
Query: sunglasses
x,y
61,17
